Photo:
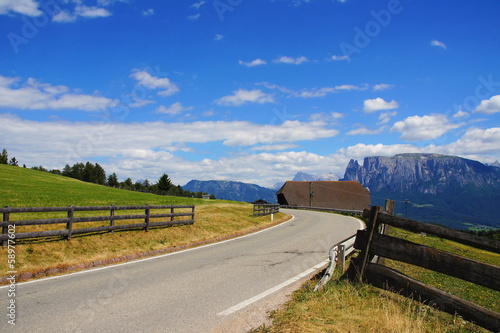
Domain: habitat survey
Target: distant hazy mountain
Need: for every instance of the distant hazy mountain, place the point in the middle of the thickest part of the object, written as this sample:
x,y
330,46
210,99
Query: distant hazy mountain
x,y
309,177
230,190
443,189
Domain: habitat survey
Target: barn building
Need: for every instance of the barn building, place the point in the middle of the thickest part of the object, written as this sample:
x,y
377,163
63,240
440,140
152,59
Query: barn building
x,y
348,195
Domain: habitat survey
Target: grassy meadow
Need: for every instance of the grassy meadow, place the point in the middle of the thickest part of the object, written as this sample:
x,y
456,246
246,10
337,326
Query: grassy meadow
x,y
21,187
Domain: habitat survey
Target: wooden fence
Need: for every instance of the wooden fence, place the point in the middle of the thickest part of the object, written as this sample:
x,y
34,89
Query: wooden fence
x,y
265,209
8,225
372,243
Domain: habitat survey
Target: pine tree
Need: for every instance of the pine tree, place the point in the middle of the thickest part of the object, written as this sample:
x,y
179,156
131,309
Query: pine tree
x,y
164,184
4,157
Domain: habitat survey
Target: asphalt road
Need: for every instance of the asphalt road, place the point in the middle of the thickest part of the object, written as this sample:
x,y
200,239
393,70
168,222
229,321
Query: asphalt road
x,y
195,290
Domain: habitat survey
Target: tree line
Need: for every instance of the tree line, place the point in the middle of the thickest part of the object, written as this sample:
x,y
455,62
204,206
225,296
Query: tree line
x,y
95,173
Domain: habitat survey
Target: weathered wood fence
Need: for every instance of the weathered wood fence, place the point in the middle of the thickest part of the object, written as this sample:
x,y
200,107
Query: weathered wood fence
x,y
168,219
372,242
265,209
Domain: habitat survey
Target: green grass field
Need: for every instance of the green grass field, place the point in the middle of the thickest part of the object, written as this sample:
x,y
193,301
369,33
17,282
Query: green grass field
x,y
20,187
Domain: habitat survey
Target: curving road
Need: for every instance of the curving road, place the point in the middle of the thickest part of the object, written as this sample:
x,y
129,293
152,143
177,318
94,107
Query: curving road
x,y
196,290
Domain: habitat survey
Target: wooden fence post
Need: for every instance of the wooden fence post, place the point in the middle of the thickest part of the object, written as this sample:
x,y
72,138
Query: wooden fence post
x,y
112,217
71,216
148,214
5,228
172,210
365,256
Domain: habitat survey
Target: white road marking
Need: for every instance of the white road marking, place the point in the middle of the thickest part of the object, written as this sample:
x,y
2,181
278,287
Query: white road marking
x,y
268,292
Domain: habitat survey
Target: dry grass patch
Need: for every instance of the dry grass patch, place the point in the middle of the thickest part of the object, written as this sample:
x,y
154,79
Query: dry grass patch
x,y
343,307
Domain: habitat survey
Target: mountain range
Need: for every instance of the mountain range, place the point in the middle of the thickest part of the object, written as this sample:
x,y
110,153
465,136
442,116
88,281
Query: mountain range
x,y
231,190
448,190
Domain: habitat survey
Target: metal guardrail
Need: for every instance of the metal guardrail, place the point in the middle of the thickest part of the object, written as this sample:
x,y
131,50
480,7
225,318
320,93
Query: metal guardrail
x,y
338,253
323,209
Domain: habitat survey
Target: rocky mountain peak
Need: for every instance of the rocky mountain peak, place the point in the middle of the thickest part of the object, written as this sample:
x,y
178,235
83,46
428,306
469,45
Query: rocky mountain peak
x,y
422,173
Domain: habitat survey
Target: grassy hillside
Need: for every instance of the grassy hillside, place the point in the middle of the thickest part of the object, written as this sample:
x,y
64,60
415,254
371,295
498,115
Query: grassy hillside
x,y
21,187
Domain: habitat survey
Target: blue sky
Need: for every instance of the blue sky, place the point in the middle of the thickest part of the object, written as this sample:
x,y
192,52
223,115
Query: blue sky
x,y
253,91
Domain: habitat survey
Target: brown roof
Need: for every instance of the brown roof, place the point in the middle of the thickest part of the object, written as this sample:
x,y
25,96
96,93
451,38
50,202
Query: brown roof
x,y
349,195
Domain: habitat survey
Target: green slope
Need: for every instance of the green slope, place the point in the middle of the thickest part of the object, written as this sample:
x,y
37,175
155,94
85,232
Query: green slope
x,y
20,187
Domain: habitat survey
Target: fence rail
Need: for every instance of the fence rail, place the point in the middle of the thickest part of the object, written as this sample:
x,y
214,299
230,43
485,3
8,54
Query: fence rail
x,y
70,220
372,243
265,209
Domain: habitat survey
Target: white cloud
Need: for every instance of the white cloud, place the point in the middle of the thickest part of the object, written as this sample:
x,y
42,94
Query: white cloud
x,y
148,12
385,117
243,96
166,87
362,130
174,109
378,104
194,17
91,12
438,43
339,58
476,142
382,87
198,5
291,60
274,147
24,7
321,92
419,128
218,37
489,106
461,114
253,63
65,16
33,95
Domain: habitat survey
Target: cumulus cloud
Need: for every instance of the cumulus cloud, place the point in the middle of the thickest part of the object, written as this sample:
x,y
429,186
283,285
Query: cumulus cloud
x,y
174,109
148,12
34,95
243,96
23,7
476,141
194,17
253,63
363,130
65,16
291,60
378,104
321,92
385,117
339,58
438,43
166,87
198,5
489,106
419,128
382,86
